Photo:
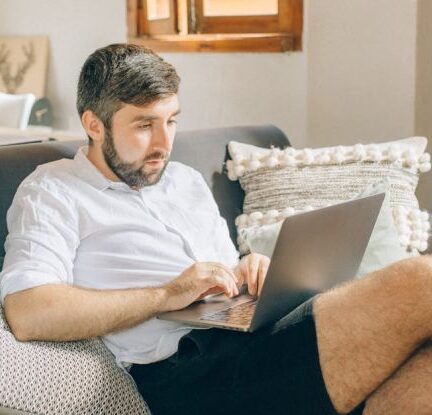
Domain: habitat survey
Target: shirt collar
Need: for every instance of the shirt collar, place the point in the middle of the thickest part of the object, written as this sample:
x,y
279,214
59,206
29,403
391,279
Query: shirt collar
x,y
88,171
91,174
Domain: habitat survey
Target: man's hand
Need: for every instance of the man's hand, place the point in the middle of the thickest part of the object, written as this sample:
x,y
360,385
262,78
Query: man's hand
x,y
252,269
199,280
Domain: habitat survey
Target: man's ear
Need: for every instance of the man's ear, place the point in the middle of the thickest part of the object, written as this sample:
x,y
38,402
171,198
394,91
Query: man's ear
x,y
93,126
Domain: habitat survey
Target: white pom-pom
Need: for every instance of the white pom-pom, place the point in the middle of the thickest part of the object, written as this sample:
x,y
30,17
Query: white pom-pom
x,y
373,153
424,215
426,226
290,151
359,152
308,208
325,157
376,156
255,216
417,225
244,248
239,158
271,162
423,246
394,153
308,157
271,216
291,161
274,152
337,157
416,235
232,176
254,165
286,160
415,244
239,170
425,158
229,164
241,221
424,167
414,215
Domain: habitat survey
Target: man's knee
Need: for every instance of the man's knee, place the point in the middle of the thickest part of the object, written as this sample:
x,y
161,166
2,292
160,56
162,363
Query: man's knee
x,y
408,277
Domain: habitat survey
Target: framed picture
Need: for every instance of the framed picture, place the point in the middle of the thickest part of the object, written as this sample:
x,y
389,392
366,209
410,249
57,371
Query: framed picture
x,y
23,65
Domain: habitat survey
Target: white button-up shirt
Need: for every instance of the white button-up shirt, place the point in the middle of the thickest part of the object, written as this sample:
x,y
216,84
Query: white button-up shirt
x,y
69,224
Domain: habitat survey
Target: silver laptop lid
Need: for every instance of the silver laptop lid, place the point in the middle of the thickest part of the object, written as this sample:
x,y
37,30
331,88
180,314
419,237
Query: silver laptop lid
x,y
315,251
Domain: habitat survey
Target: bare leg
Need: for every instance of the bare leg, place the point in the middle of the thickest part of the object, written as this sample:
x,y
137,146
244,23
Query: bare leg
x,y
367,329
408,391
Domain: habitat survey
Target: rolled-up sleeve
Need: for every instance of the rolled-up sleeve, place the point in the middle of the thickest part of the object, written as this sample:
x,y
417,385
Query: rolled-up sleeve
x,y
42,240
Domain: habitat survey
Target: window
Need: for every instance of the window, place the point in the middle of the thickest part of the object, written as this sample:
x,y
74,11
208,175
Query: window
x,y
216,25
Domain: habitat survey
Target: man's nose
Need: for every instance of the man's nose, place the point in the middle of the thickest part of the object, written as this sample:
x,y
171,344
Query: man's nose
x,y
162,139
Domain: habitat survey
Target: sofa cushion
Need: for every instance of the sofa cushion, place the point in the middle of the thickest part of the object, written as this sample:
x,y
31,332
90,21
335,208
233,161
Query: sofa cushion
x,y
68,378
383,248
280,183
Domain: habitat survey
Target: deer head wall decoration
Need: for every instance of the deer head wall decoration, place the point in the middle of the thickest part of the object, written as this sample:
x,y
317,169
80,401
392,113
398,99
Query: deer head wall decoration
x,y
13,82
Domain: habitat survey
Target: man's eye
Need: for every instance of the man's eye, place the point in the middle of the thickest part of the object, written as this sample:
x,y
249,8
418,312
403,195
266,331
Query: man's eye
x,y
172,122
144,126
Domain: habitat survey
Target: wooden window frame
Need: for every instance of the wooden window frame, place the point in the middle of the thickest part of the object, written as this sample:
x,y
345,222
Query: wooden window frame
x,y
160,26
279,33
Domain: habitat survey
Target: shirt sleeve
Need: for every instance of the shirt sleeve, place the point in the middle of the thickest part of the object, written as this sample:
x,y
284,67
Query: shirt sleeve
x,y
42,240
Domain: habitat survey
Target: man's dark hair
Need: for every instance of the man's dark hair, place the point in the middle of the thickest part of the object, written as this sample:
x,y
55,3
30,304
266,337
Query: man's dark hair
x,y
123,74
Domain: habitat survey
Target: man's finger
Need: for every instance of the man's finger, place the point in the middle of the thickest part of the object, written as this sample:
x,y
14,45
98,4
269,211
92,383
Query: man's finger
x,y
263,268
253,274
224,283
222,267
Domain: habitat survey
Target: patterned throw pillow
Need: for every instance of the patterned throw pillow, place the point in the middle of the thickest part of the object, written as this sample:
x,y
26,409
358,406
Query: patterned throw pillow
x,y
279,183
383,248
64,378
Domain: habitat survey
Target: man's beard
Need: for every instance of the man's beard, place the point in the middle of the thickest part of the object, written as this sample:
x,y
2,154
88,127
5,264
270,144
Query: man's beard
x,y
134,177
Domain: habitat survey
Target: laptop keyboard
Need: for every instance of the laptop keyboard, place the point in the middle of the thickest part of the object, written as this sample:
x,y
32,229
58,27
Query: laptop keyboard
x,y
236,314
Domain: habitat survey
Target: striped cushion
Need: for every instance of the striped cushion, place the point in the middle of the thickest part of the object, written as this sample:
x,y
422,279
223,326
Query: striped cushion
x,y
279,183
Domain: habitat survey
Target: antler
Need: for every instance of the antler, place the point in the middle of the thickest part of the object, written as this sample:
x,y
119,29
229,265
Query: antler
x,y
5,66
12,83
3,54
24,67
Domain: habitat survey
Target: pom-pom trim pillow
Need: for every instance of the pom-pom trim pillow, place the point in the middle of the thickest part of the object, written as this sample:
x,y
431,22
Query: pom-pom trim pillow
x,y
279,183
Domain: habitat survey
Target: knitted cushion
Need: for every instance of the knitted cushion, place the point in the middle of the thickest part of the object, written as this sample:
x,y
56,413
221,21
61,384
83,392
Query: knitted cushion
x,y
279,183
383,247
59,378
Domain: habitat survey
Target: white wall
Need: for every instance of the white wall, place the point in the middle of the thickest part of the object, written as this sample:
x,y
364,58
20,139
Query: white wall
x,y
240,89
361,70
75,28
424,92
355,79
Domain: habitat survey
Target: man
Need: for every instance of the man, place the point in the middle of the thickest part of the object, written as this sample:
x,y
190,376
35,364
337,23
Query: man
x,y
99,245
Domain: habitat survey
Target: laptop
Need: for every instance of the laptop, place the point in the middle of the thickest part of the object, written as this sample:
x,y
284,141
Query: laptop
x,y
315,251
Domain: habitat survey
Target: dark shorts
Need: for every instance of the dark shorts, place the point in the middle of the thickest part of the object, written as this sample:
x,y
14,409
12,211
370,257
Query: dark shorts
x,y
273,371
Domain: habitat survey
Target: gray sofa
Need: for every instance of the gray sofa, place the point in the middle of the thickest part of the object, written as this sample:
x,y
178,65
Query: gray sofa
x,y
49,378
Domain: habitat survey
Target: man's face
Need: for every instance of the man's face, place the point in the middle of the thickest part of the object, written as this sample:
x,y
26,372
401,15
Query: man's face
x,y
138,146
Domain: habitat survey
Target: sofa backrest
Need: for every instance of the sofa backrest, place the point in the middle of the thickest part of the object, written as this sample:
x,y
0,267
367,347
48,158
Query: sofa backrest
x,y
205,150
